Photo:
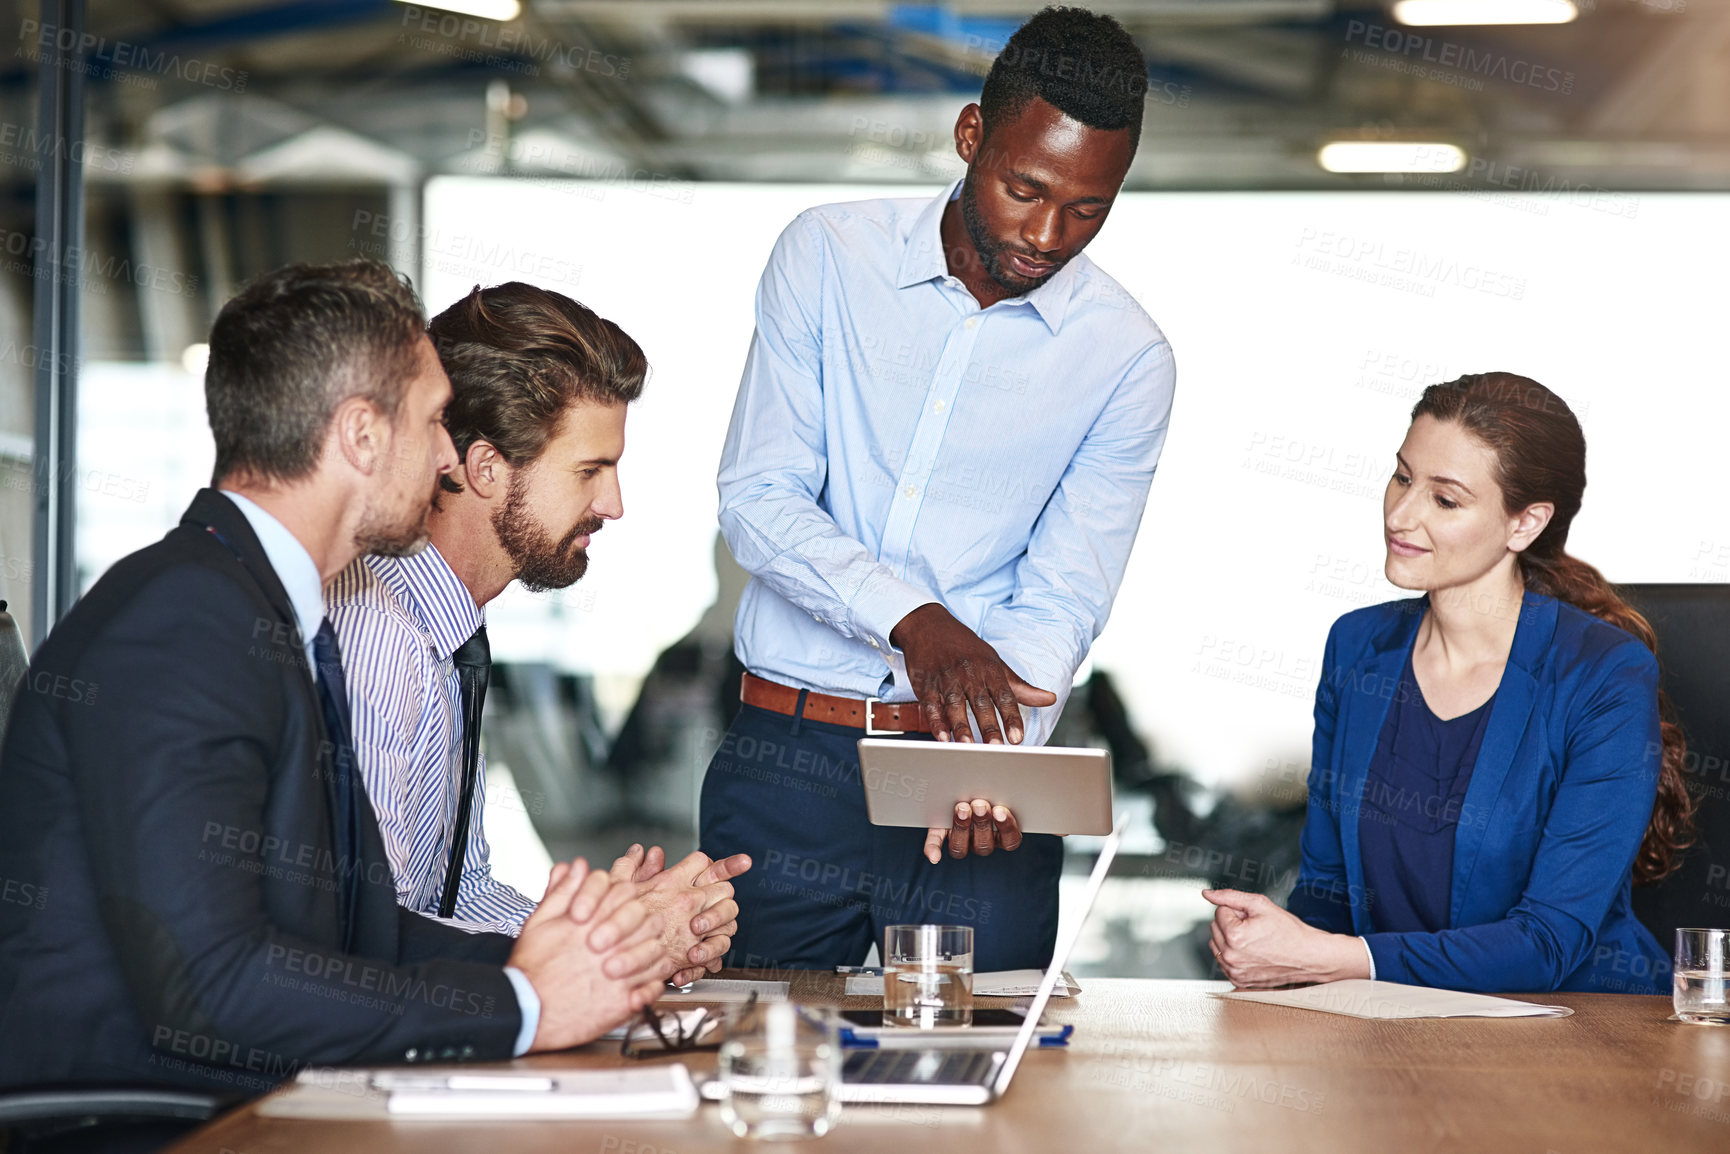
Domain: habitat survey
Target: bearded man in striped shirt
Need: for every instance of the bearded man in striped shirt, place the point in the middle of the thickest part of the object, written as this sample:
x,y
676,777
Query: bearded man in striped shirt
x,y
540,387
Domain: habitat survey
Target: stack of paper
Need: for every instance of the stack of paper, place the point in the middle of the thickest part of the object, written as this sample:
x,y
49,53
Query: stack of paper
x,y
657,1091
1361,998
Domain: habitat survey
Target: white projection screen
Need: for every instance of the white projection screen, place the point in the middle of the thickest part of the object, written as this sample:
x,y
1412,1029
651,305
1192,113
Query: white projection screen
x,y
1304,325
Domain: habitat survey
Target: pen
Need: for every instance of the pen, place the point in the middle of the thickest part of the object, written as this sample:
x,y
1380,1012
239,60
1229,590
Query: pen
x,y
870,971
463,1082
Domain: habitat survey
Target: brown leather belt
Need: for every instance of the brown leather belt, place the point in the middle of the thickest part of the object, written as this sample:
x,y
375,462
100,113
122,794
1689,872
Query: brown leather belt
x,y
871,715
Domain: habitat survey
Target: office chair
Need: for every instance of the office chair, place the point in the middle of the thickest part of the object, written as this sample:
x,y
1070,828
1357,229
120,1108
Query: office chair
x,y
1693,627
103,1119
14,663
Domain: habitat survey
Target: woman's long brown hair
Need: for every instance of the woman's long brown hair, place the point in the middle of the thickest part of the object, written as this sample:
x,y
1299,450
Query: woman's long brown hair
x,y
1541,456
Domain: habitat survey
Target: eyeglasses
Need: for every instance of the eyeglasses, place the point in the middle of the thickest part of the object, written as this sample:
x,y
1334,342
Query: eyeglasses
x,y
675,1031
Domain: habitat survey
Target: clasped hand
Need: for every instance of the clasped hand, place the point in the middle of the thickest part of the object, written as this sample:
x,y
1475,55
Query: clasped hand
x,y
695,900
593,954
1260,946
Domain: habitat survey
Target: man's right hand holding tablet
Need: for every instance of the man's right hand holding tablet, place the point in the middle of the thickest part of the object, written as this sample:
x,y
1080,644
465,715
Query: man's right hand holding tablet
x,y
979,827
953,671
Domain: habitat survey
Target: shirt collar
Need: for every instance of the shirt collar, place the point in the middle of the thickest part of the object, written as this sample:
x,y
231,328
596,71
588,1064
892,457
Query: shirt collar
x,y
922,260
293,564
922,257
433,592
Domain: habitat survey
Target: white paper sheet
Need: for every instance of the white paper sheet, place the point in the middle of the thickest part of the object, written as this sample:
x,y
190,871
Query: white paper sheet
x,y
1360,998
661,1090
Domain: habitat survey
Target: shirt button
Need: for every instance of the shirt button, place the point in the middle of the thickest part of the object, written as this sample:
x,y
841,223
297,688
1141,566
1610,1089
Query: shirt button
x,y
939,405
872,642
910,492
972,322
817,619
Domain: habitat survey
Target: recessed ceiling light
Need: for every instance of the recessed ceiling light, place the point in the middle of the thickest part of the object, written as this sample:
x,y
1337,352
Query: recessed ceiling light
x,y
1391,156
1485,11
485,9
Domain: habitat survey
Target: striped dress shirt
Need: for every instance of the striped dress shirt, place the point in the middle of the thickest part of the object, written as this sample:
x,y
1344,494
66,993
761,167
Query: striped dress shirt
x,y
398,620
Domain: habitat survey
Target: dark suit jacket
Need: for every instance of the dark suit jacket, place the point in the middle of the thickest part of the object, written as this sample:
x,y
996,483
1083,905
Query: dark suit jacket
x,y
1557,805
168,886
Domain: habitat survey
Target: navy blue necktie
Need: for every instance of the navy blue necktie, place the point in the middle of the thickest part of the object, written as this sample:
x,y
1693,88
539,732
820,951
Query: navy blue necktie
x,y
344,775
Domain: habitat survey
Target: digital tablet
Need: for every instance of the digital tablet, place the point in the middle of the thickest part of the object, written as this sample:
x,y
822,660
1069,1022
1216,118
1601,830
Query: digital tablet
x,y
1050,789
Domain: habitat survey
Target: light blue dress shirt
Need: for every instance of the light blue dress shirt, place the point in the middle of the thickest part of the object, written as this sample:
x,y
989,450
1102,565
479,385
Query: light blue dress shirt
x,y
298,573
893,444
294,567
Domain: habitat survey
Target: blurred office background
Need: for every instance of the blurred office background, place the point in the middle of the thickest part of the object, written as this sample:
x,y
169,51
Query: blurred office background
x,y
1334,204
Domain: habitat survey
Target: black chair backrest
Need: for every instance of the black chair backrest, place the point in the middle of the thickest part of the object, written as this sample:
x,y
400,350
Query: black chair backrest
x,y
1693,627
14,663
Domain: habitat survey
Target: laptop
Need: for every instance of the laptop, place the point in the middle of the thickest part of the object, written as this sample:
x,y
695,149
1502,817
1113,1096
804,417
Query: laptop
x,y
948,1077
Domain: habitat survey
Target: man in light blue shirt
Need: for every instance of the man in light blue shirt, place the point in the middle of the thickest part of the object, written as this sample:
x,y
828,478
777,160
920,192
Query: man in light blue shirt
x,y
938,460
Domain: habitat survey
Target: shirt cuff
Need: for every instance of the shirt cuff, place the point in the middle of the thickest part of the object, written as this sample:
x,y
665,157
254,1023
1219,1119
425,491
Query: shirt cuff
x,y
1371,954
530,1004
879,607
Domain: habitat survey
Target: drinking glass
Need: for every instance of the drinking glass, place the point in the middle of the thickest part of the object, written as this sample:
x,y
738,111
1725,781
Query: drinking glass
x,y
1697,985
780,1073
928,976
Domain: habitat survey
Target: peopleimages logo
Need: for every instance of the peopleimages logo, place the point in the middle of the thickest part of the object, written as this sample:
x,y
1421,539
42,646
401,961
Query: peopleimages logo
x,y
22,146
1459,57
34,259
98,55
1373,260
509,41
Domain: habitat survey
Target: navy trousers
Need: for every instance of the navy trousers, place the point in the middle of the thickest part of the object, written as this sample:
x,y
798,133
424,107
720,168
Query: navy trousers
x,y
824,881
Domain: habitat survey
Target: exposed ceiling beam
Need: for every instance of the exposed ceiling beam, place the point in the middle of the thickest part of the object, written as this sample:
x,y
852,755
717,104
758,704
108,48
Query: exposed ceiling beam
x,y
829,11
1684,81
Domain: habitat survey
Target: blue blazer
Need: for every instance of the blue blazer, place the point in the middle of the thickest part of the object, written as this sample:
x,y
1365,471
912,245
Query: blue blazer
x,y
1558,803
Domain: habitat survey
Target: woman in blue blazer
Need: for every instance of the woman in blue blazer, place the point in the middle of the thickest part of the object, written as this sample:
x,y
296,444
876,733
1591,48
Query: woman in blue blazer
x,y
1491,766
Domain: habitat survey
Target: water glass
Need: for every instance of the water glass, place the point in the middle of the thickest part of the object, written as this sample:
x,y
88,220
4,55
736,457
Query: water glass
x,y
780,1073
928,976
1699,979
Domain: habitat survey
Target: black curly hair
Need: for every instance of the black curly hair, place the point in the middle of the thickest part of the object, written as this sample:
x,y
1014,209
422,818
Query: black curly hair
x,y
1086,66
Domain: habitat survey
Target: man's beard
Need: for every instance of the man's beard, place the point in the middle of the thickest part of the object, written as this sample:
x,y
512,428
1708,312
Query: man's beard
x,y
991,252
540,562
395,536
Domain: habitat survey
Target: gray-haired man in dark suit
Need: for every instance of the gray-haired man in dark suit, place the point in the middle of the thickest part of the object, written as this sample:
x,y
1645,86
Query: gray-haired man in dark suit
x,y
212,904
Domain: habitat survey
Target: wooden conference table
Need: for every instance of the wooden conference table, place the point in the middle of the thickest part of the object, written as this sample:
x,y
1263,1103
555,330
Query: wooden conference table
x,y
1158,1065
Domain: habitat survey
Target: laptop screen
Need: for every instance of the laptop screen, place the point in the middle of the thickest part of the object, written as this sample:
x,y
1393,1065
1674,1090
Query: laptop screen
x,y
1059,959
